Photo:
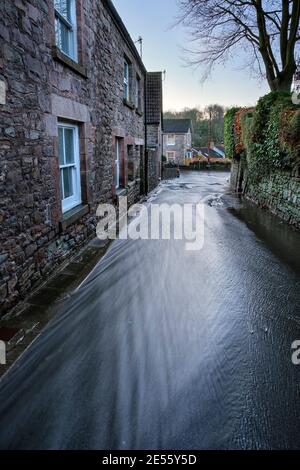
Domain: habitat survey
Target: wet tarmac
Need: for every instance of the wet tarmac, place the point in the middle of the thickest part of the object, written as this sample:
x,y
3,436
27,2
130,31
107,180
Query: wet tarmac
x,y
163,348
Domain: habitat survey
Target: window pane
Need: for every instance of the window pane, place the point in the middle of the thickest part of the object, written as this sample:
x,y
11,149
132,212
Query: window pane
x,y
69,146
61,146
126,94
125,71
63,36
64,8
68,182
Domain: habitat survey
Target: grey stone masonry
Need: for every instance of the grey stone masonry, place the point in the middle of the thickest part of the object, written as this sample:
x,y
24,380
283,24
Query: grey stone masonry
x,y
279,191
41,86
154,118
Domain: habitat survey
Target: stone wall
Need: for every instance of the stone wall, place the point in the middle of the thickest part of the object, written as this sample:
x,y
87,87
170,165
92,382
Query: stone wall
x,y
154,139
154,113
279,192
44,86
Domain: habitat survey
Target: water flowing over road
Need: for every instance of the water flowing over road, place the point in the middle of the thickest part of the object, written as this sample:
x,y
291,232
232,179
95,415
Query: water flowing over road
x,y
163,348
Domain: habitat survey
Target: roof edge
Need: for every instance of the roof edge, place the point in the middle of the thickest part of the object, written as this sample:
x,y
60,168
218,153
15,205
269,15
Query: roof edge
x,y
124,32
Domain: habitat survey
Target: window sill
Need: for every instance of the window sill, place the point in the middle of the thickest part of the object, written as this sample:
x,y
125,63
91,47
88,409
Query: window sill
x,y
121,192
70,217
128,104
59,56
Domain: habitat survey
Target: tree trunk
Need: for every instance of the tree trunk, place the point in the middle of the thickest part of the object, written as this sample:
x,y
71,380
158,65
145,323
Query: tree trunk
x,y
281,85
284,81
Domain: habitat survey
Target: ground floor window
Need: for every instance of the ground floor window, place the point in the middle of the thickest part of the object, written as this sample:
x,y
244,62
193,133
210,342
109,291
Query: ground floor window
x,y
69,164
171,157
118,163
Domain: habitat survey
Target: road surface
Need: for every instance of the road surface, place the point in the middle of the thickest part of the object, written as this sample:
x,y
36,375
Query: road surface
x,y
163,348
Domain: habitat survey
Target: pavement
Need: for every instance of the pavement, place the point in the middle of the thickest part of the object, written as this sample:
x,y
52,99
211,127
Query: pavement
x,y
21,326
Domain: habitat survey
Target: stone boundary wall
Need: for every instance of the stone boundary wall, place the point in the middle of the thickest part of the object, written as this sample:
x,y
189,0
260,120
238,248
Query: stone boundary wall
x,y
279,192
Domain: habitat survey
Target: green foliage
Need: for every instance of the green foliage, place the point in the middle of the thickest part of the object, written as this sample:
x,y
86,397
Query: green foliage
x,y
247,128
270,134
289,134
266,151
229,137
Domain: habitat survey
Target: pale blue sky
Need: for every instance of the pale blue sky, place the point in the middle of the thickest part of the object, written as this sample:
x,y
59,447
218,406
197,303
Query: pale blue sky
x,y
228,85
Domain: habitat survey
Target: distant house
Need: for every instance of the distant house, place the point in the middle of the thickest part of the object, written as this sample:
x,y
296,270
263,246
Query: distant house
x,y
296,82
177,140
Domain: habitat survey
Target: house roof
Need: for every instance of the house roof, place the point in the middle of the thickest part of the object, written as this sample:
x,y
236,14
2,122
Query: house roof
x,y
220,148
177,126
209,152
154,98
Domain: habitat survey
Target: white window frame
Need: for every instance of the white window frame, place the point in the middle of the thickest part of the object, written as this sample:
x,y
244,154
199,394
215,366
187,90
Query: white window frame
x,y
171,140
71,25
74,200
171,158
126,80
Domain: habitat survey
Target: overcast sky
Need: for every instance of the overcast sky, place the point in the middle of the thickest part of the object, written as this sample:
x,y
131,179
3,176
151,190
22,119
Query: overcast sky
x,y
162,51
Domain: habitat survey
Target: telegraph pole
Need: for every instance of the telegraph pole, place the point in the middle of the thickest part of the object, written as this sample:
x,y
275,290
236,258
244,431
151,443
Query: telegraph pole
x,y
209,136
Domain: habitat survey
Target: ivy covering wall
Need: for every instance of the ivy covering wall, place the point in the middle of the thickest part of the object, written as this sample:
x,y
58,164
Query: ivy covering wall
x,y
264,144
267,138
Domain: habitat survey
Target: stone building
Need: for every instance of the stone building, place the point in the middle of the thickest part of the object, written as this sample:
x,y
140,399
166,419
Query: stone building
x,y
177,140
296,81
72,131
154,120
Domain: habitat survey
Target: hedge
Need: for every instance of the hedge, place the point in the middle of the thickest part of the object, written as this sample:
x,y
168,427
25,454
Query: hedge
x,y
268,137
229,139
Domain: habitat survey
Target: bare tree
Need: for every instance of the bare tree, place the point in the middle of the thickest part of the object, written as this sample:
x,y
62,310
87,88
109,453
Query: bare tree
x,y
267,29
216,112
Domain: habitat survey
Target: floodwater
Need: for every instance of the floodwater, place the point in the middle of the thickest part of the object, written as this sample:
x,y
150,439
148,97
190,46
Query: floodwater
x,y
164,348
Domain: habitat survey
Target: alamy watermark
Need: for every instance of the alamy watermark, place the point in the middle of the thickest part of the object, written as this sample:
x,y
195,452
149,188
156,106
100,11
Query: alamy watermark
x,y
2,92
296,353
2,353
153,222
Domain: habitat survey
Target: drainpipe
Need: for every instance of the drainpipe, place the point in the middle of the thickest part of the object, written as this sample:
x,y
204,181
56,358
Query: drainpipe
x,y
146,141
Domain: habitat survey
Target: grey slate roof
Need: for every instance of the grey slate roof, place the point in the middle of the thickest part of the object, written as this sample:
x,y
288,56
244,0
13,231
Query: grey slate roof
x,y
154,97
177,126
212,153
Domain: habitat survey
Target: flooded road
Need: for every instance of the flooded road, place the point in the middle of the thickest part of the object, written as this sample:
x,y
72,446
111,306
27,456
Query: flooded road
x,y
163,348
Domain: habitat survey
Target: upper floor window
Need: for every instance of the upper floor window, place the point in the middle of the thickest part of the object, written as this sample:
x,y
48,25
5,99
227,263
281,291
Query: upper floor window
x,y
66,27
126,80
69,164
171,139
